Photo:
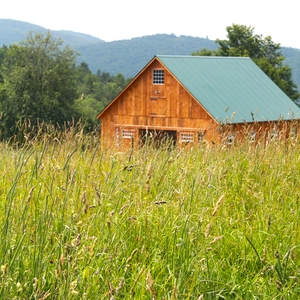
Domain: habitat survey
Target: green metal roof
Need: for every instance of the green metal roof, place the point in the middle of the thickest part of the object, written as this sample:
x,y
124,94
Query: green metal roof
x,y
232,89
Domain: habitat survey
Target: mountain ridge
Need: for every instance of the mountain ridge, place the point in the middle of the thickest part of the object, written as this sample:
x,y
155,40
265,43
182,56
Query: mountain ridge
x,y
126,56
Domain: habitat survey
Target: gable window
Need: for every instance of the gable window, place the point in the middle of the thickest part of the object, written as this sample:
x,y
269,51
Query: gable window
x,y
127,133
186,137
158,76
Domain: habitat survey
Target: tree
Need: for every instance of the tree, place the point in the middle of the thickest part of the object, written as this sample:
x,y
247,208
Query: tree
x,y
263,51
95,91
38,83
2,54
206,52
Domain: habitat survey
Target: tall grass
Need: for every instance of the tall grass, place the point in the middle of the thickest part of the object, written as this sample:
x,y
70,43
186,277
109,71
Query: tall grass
x,y
82,222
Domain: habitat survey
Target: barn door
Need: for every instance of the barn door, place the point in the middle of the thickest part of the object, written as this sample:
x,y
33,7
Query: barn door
x,y
157,105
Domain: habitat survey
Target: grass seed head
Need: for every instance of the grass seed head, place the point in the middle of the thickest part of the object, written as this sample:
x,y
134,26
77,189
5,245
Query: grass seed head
x,y
4,270
217,205
150,284
216,239
30,194
207,231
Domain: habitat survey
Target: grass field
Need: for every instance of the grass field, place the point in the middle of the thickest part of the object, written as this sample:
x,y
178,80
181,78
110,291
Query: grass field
x,y
81,222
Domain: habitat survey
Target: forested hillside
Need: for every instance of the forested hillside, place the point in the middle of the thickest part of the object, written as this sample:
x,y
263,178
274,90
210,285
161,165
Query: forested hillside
x,y
12,31
292,58
126,56
130,56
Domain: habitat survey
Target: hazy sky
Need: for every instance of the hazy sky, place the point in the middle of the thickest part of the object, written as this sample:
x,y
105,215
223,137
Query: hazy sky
x,y
124,19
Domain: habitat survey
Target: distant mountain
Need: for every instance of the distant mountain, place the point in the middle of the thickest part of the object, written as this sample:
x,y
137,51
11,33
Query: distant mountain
x,y
127,57
130,56
292,58
12,31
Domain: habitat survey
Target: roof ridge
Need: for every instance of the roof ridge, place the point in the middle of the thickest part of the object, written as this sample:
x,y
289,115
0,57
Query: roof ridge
x,y
202,57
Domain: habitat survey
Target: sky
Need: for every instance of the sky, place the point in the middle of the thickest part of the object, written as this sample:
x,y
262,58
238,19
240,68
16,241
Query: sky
x,y
125,19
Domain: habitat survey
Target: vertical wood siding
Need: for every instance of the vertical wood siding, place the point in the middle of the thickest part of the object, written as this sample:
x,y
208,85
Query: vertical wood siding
x,y
155,106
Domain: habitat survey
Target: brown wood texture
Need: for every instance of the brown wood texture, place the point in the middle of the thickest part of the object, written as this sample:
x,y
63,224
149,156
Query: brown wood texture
x,y
166,106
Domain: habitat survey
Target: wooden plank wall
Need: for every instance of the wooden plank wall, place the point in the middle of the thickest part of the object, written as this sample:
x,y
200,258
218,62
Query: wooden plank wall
x,y
165,106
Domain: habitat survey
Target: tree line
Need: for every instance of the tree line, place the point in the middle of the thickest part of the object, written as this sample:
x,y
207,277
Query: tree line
x,y
40,82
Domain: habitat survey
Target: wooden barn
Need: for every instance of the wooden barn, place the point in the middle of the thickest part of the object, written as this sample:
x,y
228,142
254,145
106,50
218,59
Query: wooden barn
x,y
196,100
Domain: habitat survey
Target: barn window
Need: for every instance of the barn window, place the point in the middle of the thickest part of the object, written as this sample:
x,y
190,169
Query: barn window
x,y
186,137
252,136
200,137
158,77
230,139
127,133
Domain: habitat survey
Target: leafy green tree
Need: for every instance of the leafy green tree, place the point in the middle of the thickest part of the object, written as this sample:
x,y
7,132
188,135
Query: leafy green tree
x,y
3,51
2,54
38,83
95,91
263,51
88,108
206,52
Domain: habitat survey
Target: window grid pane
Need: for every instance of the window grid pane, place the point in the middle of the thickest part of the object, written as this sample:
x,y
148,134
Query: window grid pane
x,y
187,137
158,77
127,134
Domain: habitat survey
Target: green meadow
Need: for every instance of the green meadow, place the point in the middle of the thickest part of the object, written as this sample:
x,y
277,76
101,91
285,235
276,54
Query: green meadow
x,y
82,222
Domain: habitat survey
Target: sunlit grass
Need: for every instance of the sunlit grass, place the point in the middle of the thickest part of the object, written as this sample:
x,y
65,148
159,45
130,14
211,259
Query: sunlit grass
x,y
82,222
